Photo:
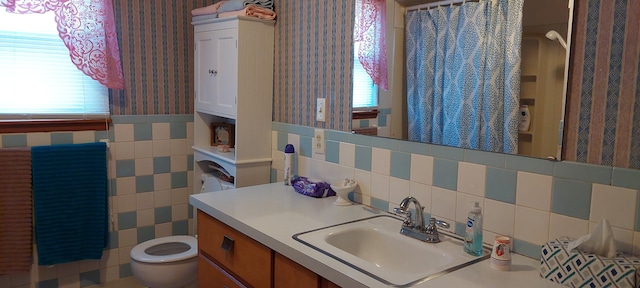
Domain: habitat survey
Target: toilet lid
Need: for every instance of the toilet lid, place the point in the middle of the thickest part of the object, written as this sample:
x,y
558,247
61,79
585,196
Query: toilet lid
x,y
139,253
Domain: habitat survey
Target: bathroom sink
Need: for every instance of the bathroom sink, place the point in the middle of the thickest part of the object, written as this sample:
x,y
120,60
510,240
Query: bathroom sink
x,y
375,247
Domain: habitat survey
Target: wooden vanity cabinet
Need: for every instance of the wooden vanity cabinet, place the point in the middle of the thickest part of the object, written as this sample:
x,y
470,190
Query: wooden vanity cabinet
x,y
241,257
246,263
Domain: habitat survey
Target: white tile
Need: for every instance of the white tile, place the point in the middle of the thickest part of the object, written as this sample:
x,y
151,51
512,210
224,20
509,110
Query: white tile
x,y
274,140
421,169
534,190
616,204
125,150
499,217
443,203
364,181
380,186
162,198
161,131
179,196
144,200
70,281
471,178
398,190
531,225
347,154
190,130
318,169
178,146
380,161
145,217
277,160
422,193
143,149
337,172
636,244
179,212
126,237
162,181
126,203
125,185
123,132
561,225
38,139
624,239
161,148
144,166
84,137
304,166
293,139
464,202
163,230
179,163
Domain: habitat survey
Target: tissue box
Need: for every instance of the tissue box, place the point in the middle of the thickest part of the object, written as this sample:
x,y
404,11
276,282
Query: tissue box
x,y
579,269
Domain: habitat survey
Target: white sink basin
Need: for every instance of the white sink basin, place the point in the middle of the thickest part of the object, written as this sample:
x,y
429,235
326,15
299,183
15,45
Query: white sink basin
x,y
375,247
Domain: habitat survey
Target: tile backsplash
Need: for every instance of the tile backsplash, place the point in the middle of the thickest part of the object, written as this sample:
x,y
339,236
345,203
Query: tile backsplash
x,y
531,200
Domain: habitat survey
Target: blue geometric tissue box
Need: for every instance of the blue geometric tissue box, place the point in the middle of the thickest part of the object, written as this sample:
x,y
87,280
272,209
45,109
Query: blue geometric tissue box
x,y
579,269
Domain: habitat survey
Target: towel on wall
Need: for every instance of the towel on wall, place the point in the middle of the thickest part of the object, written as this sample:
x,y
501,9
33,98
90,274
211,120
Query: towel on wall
x,y
70,201
15,210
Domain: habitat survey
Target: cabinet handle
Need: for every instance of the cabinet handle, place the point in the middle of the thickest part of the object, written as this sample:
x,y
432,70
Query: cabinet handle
x,y
227,244
214,72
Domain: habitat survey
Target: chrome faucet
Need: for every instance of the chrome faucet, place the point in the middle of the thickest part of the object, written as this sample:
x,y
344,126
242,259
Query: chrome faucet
x,y
416,228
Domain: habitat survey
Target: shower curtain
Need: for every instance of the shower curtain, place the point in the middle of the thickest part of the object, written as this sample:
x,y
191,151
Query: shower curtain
x,y
463,74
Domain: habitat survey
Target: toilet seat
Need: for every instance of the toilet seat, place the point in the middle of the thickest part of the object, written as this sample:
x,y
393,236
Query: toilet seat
x,y
138,252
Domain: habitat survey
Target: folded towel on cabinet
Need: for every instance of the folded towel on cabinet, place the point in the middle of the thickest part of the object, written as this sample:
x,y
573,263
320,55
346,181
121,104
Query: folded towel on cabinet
x,y
251,10
15,210
236,5
208,10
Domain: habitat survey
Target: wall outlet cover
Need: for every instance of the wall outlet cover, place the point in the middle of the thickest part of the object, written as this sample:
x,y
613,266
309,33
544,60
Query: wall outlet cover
x,y
318,142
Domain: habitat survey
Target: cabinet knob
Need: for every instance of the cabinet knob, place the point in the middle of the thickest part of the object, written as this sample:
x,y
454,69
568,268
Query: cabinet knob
x,y
214,72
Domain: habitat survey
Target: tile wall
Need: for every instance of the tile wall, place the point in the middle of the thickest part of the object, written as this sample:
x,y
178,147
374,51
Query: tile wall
x,y
531,200
150,172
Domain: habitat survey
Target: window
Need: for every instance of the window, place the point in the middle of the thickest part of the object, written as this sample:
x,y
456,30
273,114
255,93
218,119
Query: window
x,y
37,77
365,92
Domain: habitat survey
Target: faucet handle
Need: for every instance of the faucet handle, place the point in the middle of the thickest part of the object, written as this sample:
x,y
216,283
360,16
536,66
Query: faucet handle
x,y
441,223
407,216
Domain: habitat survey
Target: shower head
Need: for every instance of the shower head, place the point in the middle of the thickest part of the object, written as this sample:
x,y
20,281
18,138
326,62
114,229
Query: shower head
x,y
553,35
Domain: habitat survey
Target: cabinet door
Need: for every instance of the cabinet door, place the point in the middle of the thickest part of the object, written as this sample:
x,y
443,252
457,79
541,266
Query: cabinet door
x,y
289,274
211,275
216,69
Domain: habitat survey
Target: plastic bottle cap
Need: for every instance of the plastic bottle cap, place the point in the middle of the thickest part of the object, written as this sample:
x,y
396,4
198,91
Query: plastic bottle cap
x,y
289,149
476,207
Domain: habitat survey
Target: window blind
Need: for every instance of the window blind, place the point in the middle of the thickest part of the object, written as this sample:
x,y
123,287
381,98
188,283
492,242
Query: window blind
x,y
37,78
365,92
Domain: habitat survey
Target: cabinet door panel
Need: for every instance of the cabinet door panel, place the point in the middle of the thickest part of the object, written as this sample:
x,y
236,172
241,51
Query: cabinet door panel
x,y
205,62
211,275
289,274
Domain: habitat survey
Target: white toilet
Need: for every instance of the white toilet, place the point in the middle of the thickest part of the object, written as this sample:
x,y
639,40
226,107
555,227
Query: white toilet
x,y
170,262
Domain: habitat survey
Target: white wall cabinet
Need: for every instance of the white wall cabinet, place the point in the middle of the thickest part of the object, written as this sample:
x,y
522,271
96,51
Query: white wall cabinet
x,y
234,85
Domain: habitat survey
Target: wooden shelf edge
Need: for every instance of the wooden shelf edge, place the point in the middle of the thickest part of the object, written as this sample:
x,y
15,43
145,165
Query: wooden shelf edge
x,y
53,125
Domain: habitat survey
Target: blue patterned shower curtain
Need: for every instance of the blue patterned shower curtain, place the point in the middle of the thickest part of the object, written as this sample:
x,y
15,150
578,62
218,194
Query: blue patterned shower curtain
x,y
463,74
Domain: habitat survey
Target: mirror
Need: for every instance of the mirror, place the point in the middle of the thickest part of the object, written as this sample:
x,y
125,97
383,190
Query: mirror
x,y
543,77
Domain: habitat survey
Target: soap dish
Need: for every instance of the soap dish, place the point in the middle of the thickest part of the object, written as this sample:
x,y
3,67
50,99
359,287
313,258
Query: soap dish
x,y
342,189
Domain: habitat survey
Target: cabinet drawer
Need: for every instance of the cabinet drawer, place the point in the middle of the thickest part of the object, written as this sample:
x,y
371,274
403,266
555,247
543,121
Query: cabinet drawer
x,y
235,252
211,275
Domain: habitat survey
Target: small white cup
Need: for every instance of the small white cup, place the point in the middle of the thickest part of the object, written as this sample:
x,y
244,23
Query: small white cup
x,y
501,253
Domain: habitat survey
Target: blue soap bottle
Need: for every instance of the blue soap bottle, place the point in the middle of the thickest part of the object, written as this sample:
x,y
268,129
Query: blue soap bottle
x,y
473,233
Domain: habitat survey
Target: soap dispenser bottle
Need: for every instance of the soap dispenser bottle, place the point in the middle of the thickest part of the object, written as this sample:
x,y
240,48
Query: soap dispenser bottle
x,y
473,233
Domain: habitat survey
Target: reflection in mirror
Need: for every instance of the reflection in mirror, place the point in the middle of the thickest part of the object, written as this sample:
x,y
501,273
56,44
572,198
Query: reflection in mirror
x,y
545,27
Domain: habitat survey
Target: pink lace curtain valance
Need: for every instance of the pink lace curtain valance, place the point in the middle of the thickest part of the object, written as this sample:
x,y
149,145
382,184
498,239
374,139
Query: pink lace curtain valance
x,y
87,28
370,32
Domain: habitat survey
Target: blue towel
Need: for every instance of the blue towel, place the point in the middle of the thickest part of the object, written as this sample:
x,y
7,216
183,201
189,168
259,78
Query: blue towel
x,y
70,201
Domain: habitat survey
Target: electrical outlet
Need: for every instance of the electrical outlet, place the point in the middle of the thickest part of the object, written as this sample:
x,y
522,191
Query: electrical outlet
x,y
318,142
321,107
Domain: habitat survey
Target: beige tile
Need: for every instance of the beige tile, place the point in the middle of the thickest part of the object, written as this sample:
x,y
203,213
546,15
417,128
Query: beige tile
x,y
162,181
398,190
109,274
179,196
421,169
144,166
91,265
178,147
84,137
126,203
443,205
178,163
125,185
347,154
124,256
67,269
161,131
380,186
47,272
145,217
163,230
499,217
380,161
162,198
422,193
145,200
109,258
161,148
534,190
38,139
179,212
364,182
125,150
531,225
603,200
71,281
472,178
143,149
561,225
128,237
464,202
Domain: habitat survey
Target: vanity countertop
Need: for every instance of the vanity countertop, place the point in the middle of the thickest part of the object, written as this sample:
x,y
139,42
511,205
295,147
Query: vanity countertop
x,y
272,213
